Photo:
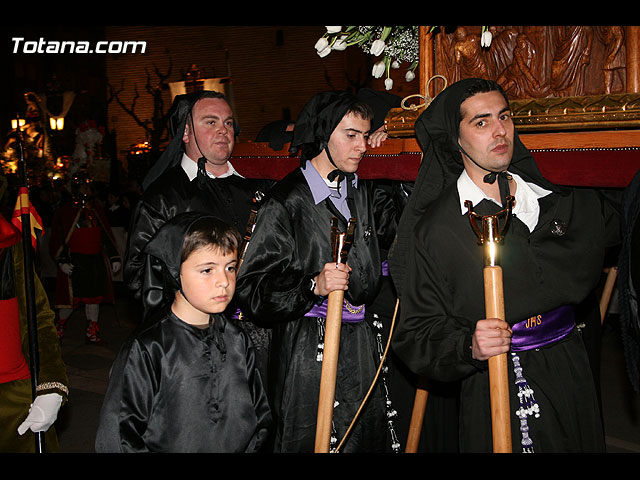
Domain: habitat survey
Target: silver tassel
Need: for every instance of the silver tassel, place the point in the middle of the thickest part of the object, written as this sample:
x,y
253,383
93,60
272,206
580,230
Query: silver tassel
x,y
527,404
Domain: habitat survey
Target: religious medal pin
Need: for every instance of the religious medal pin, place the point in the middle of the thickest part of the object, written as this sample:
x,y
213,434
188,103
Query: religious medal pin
x,y
558,227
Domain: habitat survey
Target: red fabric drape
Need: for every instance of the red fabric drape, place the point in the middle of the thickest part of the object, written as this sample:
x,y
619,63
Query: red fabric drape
x,y
583,168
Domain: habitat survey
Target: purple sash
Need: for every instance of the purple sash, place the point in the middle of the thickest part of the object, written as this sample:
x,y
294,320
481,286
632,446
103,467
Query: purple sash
x,y
542,329
385,268
348,316
357,315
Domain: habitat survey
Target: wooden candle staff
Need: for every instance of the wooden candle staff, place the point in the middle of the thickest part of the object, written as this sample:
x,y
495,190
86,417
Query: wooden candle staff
x,y
340,243
489,235
251,225
417,417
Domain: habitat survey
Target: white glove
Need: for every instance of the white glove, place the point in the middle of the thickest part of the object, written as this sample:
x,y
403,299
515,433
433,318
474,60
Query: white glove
x,y
67,268
115,267
42,414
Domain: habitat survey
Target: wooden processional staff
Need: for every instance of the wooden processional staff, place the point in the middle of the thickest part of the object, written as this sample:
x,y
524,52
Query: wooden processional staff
x,y
489,235
251,225
340,244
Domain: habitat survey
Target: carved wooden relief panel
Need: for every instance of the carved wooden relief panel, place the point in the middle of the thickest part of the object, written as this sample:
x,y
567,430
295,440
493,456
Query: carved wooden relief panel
x,y
557,77
538,61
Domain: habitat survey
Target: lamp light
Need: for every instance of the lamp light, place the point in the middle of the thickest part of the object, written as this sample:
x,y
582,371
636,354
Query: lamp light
x,y
56,123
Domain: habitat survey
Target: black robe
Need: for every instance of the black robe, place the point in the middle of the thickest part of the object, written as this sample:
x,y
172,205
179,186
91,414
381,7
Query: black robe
x,y
175,388
444,297
229,198
290,245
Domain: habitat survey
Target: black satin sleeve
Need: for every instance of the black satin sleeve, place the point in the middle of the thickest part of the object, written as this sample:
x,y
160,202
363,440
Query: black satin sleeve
x,y
274,283
386,213
162,201
119,433
291,244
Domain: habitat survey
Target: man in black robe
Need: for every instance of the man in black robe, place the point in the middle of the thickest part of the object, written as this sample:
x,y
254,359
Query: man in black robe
x,y
193,173
551,257
289,270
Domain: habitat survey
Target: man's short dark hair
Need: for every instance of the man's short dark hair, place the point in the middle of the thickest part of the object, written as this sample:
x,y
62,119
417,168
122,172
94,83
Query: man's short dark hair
x,y
362,110
210,232
205,94
483,86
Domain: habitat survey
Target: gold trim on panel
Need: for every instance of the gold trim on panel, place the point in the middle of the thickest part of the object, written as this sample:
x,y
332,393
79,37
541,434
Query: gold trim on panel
x,y
605,111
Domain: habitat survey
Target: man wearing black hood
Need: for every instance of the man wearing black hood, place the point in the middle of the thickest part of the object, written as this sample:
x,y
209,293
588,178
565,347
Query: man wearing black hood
x,y
551,257
288,272
192,174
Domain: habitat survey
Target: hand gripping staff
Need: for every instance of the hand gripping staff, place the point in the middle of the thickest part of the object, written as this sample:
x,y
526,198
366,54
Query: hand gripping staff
x,y
489,235
340,244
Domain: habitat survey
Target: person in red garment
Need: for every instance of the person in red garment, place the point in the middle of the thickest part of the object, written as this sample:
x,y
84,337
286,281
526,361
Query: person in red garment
x,y
21,415
85,250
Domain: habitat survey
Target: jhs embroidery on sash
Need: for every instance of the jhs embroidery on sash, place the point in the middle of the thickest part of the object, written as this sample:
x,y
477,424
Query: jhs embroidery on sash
x,y
533,322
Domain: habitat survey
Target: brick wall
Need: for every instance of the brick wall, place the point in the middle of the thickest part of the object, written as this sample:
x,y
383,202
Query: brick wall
x,y
274,68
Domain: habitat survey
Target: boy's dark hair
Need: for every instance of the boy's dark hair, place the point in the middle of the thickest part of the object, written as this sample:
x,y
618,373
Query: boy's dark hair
x,y
210,232
361,109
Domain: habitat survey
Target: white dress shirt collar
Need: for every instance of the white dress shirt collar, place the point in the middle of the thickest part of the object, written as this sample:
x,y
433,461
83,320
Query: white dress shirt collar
x,y
527,208
190,167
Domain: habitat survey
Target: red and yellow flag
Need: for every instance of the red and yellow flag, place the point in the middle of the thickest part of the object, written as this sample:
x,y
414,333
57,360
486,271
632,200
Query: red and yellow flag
x,y
24,206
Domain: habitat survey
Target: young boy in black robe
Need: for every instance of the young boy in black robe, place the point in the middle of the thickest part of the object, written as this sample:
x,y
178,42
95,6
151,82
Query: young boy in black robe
x,y
188,381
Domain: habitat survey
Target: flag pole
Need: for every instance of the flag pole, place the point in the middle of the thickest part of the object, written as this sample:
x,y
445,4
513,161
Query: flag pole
x,y
32,323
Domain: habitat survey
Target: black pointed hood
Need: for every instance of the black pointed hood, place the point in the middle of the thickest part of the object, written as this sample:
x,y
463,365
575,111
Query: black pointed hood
x,y
437,131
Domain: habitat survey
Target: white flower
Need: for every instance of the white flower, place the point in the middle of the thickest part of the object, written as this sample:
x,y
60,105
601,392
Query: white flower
x,y
322,47
323,53
340,43
377,47
395,64
410,75
333,29
378,69
388,84
485,40
321,44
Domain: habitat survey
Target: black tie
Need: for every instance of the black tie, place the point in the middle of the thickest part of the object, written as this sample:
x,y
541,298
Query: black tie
x,y
339,174
503,183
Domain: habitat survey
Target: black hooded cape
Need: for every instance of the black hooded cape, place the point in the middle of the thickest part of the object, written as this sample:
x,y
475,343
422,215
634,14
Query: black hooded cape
x,y
290,245
169,192
437,268
175,387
